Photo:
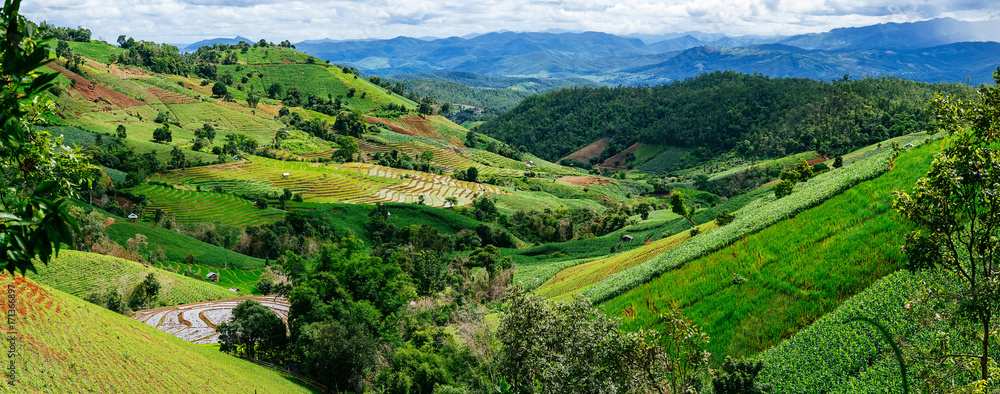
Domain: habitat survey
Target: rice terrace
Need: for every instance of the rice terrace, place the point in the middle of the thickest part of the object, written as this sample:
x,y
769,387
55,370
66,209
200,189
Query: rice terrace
x,y
362,198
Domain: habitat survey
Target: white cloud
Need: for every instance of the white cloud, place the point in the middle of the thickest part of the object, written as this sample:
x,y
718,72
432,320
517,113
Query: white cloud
x,y
185,21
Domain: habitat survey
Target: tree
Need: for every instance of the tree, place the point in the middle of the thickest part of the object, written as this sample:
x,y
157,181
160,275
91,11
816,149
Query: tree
x,y
351,123
348,148
490,258
219,89
838,162
784,188
472,174
724,217
678,206
177,158
38,173
254,332
957,209
446,108
145,294
252,100
451,201
121,132
206,131
163,134
275,90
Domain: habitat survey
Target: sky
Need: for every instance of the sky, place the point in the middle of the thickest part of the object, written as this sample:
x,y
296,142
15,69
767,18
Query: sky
x,y
188,21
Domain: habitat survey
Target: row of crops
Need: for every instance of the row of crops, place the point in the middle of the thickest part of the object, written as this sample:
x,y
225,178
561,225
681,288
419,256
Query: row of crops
x,y
82,274
752,218
189,206
834,356
350,182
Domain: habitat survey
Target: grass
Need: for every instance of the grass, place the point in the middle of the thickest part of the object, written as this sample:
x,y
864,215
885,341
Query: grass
x,y
578,278
244,280
83,274
795,270
317,79
177,246
96,50
68,345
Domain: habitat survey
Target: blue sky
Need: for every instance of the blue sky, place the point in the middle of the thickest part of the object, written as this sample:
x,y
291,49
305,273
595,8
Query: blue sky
x,y
187,21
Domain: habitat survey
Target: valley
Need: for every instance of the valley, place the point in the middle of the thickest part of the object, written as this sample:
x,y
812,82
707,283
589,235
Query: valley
x,y
387,216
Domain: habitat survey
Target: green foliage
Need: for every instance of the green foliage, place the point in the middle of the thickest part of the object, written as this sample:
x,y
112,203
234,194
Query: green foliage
x,y
957,207
720,110
784,188
678,206
86,274
751,219
37,171
570,347
253,332
724,217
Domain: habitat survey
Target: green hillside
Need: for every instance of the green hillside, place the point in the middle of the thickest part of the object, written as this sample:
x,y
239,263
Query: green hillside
x,y
789,274
83,274
723,113
177,247
65,344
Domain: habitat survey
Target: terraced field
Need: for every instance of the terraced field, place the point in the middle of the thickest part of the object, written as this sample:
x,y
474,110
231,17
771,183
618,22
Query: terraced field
x,y
82,274
189,206
355,183
197,322
67,345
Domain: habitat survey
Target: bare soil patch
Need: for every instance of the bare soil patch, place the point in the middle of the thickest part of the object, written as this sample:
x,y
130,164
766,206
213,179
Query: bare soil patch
x,y
94,92
590,151
584,180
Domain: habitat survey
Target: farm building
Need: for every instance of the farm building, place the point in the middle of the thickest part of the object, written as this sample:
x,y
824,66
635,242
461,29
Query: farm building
x,y
626,238
133,217
212,276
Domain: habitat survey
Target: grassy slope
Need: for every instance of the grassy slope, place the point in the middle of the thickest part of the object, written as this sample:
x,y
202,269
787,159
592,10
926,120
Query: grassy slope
x,y
68,345
796,270
82,274
177,246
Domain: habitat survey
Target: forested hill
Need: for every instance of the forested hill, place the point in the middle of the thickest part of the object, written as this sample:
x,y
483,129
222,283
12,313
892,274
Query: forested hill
x,y
748,115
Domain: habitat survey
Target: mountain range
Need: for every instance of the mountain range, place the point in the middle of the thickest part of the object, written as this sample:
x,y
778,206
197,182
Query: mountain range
x,y
937,50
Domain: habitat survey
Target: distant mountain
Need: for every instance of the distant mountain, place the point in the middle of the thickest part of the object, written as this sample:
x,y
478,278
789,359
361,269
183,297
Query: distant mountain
x,y
227,41
914,35
477,54
910,50
945,63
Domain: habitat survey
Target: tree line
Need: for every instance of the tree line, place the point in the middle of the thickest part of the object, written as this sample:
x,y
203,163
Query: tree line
x,y
751,116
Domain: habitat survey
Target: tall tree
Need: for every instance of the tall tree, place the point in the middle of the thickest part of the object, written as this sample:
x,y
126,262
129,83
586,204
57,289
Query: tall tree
x,y
957,207
678,206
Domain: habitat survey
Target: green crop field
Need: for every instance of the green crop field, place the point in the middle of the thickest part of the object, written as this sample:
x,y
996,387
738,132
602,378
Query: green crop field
x,y
244,280
97,50
794,271
68,345
82,274
666,160
177,247
356,183
323,81
188,206
578,278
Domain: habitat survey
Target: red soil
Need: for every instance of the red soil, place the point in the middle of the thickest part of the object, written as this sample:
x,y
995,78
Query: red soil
x,y
590,151
94,92
584,181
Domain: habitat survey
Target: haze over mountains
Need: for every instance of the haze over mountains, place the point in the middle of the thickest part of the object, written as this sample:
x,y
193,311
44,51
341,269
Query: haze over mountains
x,y
937,50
